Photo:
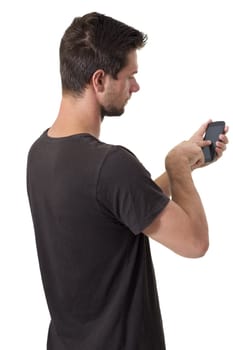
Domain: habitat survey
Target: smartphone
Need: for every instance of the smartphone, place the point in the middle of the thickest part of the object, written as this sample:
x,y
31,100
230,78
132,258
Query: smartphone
x,y
213,131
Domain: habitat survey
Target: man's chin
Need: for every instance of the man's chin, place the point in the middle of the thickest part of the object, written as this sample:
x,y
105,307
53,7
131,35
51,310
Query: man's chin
x,y
111,113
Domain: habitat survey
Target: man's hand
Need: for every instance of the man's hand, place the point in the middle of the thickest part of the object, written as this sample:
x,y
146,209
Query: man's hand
x,y
187,153
194,156
220,145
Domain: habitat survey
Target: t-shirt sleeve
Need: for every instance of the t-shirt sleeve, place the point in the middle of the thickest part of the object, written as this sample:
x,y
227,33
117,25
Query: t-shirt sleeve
x,y
125,188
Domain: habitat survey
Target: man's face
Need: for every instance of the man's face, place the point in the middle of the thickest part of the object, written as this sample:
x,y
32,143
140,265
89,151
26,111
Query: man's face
x,y
118,92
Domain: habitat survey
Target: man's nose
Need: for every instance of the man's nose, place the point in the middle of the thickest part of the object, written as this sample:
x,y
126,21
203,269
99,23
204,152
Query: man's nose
x,y
135,87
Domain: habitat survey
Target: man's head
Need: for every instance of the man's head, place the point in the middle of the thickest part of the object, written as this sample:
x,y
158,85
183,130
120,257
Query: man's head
x,y
96,47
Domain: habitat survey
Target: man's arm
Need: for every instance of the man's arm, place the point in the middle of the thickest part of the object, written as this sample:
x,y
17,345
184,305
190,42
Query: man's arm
x,y
163,182
182,225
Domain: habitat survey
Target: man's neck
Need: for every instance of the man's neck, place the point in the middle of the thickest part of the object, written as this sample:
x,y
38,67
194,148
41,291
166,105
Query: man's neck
x,y
76,116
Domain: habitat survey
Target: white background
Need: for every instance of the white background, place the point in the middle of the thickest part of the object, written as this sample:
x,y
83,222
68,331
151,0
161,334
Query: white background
x,y
186,76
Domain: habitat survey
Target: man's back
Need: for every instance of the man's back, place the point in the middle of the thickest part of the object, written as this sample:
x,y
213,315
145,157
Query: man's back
x,y
88,213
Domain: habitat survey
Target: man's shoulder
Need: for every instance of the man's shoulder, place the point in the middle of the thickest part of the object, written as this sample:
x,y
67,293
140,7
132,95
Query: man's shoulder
x,y
120,162
118,154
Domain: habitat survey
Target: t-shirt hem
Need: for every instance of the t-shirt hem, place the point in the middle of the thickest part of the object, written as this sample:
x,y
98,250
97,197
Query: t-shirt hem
x,y
148,220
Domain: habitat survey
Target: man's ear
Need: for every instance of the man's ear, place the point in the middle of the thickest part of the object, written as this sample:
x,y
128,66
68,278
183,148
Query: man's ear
x,y
98,80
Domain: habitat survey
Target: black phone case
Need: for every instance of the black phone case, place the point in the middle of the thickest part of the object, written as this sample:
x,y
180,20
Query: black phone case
x,y
213,131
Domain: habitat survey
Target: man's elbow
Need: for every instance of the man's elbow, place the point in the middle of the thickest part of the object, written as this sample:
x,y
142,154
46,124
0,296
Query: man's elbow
x,y
201,246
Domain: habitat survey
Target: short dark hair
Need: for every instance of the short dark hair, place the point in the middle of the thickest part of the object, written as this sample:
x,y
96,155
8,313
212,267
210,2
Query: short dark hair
x,y
95,41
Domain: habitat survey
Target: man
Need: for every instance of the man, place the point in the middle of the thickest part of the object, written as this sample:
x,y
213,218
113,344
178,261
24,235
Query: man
x,y
94,205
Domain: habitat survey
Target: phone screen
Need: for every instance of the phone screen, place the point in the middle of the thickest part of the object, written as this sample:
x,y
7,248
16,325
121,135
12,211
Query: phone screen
x,y
213,131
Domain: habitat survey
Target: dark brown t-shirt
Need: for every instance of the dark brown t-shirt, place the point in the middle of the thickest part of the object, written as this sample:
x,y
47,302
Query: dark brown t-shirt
x,y
90,202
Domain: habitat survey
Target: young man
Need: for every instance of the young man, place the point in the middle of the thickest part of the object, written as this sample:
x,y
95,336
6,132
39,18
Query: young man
x,y
94,205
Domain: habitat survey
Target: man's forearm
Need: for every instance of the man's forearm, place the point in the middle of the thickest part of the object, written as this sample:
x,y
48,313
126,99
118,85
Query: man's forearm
x,y
163,182
185,194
